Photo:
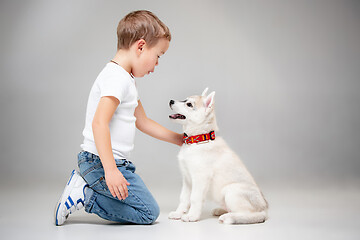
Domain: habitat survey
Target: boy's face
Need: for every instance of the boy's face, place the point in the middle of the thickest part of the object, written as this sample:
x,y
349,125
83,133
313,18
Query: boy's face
x,y
147,58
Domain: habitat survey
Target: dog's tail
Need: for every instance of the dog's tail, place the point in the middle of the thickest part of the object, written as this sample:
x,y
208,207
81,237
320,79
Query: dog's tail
x,y
243,217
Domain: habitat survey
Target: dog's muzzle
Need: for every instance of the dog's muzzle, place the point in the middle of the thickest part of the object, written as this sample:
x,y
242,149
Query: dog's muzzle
x,y
175,116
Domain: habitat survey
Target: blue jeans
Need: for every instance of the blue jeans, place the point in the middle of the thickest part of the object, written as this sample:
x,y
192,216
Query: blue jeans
x,y
139,207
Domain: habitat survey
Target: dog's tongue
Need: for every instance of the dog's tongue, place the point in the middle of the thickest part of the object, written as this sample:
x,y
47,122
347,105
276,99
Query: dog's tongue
x,y
176,116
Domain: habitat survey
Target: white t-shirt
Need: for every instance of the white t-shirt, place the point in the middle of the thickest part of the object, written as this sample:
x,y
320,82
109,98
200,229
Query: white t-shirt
x,y
113,80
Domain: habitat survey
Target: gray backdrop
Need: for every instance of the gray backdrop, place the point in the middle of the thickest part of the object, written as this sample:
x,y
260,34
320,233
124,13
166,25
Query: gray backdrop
x,y
286,76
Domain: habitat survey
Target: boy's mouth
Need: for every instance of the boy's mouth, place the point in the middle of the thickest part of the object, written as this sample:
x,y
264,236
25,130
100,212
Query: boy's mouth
x,y
177,116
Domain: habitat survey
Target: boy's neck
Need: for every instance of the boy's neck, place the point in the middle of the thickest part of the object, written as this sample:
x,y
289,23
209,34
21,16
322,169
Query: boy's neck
x,y
123,58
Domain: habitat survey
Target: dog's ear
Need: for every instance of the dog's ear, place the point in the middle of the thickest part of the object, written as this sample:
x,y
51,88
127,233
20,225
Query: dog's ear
x,y
209,100
204,92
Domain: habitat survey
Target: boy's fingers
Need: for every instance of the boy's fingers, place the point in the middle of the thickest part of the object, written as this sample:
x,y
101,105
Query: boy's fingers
x,y
118,193
122,191
126,191
112,191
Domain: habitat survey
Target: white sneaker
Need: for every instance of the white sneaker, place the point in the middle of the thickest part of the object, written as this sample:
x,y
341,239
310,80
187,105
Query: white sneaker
x,y
72,198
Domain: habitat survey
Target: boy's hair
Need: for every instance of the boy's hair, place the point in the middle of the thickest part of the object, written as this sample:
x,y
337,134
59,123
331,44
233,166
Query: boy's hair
x,y
138,25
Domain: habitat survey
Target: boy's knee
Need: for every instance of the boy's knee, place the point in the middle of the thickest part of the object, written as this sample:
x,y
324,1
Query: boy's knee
x,y
153,214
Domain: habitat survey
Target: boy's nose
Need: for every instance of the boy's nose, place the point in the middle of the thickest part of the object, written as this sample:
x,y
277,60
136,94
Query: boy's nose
x,y
171,103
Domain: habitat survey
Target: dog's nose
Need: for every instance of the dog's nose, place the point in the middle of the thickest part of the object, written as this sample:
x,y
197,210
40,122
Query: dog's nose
x,y
171,103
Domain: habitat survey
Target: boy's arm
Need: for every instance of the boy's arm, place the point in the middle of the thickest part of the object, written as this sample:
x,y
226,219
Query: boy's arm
x,y
154,129
115,181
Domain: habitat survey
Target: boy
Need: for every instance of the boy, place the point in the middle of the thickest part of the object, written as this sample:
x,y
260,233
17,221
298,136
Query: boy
x,y
107,184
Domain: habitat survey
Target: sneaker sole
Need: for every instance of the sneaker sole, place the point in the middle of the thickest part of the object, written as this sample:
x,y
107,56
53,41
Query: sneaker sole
x,y
65,194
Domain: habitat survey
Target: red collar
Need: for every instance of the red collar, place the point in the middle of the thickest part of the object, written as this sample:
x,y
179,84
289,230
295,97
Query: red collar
x,y
199,138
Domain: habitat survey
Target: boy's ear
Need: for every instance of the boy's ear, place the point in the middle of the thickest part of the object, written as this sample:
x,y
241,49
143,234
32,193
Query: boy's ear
x,y
209,100
140,45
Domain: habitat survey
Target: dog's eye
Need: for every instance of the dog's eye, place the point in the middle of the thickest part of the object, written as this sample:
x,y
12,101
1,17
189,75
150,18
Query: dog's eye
x,y
189,105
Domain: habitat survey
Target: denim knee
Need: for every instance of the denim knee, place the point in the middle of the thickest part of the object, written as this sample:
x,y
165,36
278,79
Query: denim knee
x,y
154,212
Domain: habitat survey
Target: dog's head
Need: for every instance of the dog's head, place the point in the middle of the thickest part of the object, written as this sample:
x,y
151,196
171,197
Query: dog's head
x,y
195,111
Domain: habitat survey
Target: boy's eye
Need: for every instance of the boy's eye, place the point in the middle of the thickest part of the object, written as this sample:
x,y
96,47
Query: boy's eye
x,y
189,105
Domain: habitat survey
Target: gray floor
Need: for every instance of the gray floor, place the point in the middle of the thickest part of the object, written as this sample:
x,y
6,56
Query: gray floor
x,y
296,212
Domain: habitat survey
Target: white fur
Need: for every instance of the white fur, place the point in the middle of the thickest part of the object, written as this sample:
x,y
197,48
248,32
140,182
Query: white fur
x,y
212,170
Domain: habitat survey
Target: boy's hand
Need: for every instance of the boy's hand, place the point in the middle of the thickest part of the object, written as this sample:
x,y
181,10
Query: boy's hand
x,y
117,184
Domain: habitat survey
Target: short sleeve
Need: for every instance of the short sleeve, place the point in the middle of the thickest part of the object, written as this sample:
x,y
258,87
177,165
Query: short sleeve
x,y
114,86
137,93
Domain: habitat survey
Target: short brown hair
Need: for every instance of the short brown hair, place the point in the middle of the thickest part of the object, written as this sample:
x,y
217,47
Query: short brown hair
x,y
138,25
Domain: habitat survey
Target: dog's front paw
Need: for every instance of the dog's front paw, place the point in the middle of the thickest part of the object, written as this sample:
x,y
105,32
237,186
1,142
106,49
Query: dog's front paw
x,y
190,218
175,215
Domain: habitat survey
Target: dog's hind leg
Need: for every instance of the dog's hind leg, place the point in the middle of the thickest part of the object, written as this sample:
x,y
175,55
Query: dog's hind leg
x,y
245,205
243,217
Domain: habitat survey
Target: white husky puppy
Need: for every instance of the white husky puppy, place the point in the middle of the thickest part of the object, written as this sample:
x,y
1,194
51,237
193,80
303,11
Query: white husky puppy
x,y
211,169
